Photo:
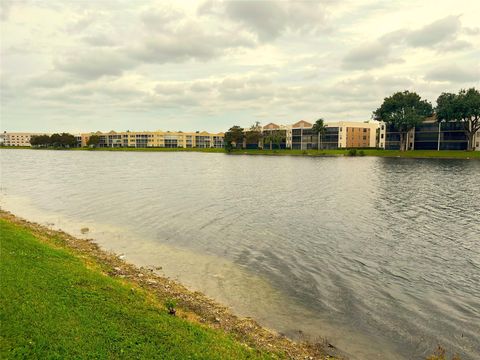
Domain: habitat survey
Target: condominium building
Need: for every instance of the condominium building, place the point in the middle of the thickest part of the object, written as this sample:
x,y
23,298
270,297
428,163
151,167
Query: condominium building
x,y
301,136
342,134
281,136
430,135
164,139
17,138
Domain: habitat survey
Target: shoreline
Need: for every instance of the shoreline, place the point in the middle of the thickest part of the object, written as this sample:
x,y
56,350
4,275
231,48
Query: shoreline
x,y
411,154
193,305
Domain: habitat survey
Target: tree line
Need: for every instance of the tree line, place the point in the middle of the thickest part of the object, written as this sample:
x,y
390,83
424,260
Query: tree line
x,y
63,140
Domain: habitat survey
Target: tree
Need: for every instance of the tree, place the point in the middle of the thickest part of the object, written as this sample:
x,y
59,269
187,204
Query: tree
x,y
56,140
274,136
40,140
234,135
463,108
319,128
62,140
67,140
254,134
93,140
403,110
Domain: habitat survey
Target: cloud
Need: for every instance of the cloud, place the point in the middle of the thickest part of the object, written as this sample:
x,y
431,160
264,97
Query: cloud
x,y
5,8
82,22
159,17
368,56
441,35
245,88
188,41
95,64
454,73
453,46
50,80
100,40
435,33
269,19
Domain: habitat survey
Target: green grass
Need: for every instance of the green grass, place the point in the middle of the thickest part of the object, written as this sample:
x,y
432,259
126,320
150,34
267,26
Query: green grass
x,y
369,152
54,305
451,154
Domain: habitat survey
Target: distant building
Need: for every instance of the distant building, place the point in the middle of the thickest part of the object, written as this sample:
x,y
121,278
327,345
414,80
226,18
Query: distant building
x,y
430,135
300,136
281,132
17,138
162,139
338,135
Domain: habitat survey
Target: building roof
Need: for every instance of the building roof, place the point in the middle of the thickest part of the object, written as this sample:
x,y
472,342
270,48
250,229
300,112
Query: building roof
x,y
271,126
302,124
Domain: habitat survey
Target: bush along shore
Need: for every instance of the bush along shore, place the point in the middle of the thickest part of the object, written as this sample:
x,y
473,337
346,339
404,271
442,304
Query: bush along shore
x,y
414,154
63,297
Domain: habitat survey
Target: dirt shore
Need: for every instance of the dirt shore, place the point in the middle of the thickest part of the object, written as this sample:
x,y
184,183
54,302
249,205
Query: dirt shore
x,y
194,306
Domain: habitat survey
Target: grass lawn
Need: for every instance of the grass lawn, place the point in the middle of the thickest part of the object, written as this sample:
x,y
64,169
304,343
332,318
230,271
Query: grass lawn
x,y
449,154
56,304
369,152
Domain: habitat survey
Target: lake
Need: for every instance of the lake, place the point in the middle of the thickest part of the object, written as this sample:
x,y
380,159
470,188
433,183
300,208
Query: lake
x,y
379,255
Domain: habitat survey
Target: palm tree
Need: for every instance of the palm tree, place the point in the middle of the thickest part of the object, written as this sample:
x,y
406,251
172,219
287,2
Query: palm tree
x,y
319,128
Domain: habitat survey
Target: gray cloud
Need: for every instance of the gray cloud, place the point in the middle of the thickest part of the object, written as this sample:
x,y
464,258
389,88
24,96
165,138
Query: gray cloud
x,y
435,33
454,73
440,35
269,19
158,18
266,18
95,63
50,80
188,41
100,40
5,7
368,56
453,46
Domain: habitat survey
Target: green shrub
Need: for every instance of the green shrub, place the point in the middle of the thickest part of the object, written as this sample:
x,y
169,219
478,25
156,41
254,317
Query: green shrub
x,y
352,152
170,304
361,153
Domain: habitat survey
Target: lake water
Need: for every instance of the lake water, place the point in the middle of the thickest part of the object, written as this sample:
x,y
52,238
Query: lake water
x,y
381,256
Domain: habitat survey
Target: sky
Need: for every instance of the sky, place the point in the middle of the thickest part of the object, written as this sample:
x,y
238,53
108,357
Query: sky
x,y
81,66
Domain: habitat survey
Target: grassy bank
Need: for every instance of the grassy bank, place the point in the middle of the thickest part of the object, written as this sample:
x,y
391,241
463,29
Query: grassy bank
x,y
63,297
443,154
368,152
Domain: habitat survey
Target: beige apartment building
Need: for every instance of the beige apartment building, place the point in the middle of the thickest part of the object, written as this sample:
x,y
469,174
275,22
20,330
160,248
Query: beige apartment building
x,y
17,138
300,136
341,134
161,139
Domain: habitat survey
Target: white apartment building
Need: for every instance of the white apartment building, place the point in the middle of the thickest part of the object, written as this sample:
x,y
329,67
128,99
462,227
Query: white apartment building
x,y
17,138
